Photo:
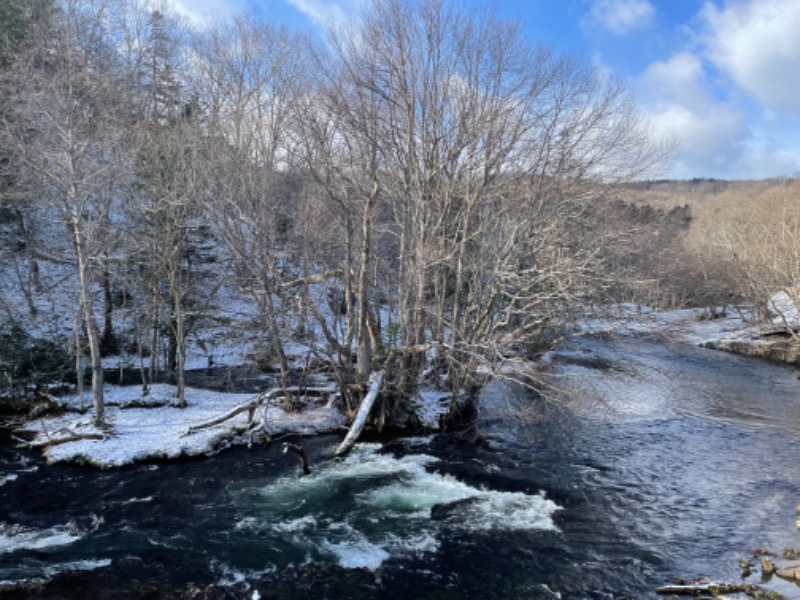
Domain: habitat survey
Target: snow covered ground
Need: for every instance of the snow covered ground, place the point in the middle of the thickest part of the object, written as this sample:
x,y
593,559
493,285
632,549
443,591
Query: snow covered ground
x,y
161,431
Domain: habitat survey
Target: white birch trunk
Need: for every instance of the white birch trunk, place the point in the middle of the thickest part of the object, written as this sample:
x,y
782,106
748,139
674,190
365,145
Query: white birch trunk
x,y
361,417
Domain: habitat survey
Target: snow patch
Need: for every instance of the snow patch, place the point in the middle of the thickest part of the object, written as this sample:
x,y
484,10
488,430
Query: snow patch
x,y
786,305
430,405
159,431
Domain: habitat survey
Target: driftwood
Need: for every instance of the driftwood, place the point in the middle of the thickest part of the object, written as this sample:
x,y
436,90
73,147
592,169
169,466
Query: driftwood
x,y
376,382
709,587
301,454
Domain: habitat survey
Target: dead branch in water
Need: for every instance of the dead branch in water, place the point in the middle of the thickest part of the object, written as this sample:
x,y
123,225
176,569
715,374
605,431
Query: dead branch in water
x,y
301,454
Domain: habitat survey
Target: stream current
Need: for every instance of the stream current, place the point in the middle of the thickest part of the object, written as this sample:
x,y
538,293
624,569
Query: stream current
x,y
661,461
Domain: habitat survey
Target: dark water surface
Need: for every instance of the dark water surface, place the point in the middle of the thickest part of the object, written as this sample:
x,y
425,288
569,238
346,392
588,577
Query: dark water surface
x,y
672,461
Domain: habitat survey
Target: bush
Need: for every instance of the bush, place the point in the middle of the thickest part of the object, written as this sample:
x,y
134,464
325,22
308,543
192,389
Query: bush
x,y
31,361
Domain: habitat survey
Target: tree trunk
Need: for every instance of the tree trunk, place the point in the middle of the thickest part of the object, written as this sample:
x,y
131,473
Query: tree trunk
x,y
76,332
108,342
92,334
363,339
361,417
177,355
151,372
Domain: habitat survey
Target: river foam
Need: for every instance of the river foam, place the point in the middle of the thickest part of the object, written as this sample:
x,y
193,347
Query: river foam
x,y
13,537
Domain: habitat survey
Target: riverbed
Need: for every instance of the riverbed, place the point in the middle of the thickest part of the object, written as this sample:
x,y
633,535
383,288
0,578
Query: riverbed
x,y
651,461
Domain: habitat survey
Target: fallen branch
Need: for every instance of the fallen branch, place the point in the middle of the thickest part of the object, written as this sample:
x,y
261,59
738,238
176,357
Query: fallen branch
x,y
301,454
70,437
264,399
375,385
250,405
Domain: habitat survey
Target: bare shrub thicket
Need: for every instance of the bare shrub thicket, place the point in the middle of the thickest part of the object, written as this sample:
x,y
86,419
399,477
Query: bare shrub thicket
x,y
746,241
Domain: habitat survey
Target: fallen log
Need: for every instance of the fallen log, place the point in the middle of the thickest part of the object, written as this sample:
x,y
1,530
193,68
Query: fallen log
x,y
713,588
376,382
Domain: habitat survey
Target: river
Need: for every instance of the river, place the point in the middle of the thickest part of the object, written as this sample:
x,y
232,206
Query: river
x,y
659,461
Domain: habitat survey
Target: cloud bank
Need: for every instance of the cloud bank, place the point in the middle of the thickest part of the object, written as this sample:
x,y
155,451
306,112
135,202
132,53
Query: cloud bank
x,y
756,44
730,97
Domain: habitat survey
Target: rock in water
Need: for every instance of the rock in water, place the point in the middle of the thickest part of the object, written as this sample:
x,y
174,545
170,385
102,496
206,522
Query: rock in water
x,y
767,568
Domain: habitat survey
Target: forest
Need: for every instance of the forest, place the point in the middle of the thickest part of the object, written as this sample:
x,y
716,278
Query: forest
x,y
417,197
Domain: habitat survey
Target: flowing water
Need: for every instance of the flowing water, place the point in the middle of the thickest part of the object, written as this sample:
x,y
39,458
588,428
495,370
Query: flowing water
x,y
660,461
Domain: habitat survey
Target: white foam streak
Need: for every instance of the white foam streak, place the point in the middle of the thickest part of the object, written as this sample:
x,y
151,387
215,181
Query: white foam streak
x,y
17,538
78,565
358,553
307,522
425,491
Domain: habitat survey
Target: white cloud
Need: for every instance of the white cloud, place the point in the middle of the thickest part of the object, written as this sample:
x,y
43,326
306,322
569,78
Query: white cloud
x,y
711,134
622,16
755,42
680,79
203,13
329,13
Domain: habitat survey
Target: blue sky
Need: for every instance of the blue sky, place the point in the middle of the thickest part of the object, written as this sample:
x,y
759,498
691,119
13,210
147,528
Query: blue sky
x,y
720,76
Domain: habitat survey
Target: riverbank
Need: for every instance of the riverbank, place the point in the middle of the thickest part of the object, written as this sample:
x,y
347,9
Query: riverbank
x,y
152,427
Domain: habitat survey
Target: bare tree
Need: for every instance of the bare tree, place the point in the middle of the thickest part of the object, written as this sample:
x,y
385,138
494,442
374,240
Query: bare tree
x,y
485,152
67,130
249,75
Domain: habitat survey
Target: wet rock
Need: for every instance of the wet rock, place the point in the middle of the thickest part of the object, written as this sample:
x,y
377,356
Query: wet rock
x,y
791,553
442,511
746,566
792,573
767,567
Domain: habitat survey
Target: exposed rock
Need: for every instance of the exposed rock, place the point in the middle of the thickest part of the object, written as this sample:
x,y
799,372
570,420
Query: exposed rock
x,y
746,566
767,567
791,553
786,351
791,573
